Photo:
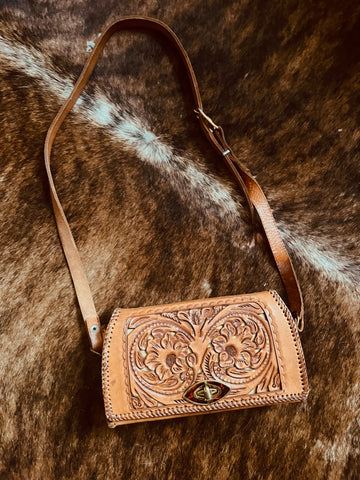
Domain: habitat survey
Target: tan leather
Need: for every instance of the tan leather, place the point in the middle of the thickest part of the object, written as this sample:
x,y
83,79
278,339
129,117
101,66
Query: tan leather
x,y
95,333
215,135
153,355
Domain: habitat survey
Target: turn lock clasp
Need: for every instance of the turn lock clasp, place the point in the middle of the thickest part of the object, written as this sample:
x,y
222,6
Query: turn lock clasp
x,y
206,392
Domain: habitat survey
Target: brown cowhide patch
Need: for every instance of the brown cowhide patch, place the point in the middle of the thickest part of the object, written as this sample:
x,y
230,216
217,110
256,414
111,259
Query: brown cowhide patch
x,y
158,219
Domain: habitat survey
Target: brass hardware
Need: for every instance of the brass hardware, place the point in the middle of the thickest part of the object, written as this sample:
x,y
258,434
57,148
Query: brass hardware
x,y
202,114
299,320
94,351
206,392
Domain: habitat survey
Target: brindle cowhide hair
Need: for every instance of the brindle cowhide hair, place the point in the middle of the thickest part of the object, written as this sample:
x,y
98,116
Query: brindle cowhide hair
x,y
158,219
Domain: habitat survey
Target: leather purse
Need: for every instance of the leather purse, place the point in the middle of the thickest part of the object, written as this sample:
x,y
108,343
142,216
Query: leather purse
x,y
197,356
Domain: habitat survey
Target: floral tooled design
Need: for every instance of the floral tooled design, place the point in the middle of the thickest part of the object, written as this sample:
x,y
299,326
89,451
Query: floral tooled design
x,y
169,352
168,355
236,346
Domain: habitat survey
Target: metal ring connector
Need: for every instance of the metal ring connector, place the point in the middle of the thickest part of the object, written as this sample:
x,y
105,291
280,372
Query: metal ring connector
x,y
299,320
94,351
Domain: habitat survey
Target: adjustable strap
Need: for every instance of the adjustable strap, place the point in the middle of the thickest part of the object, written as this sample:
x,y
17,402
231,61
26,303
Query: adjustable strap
x,y
251,189
215,135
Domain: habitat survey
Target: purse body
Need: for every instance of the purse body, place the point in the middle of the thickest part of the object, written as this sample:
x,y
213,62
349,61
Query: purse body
x,y
201,356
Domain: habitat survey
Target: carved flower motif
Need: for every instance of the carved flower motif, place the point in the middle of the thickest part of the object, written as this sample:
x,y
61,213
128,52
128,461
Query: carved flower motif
x,y
236,346
168,355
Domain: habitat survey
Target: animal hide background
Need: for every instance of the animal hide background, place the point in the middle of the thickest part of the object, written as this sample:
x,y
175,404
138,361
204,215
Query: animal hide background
x,y
158,219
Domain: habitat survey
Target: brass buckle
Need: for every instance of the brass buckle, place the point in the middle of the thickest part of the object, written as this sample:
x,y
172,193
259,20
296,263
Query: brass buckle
x,y
212,125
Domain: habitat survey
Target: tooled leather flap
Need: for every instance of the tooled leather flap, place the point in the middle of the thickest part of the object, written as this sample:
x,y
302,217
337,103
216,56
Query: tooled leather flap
x,y
201,356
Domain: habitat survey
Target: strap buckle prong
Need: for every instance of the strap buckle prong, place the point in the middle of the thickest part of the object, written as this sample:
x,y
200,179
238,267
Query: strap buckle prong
x,y
200,113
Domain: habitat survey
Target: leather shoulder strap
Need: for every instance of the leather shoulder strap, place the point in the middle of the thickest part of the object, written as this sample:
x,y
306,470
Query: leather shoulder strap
x,y
252,191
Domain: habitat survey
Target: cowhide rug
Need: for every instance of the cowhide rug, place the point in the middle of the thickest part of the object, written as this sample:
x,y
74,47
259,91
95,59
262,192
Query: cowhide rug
x,y
158,219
